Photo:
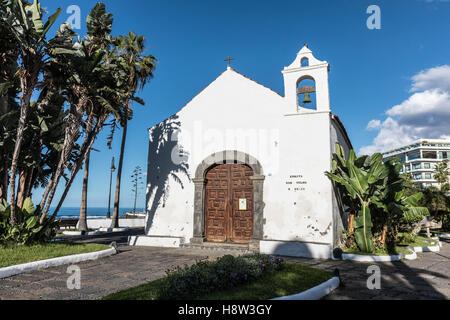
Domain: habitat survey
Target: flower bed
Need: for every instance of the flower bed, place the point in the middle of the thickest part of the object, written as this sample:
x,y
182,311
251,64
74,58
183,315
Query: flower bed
x,y
246,277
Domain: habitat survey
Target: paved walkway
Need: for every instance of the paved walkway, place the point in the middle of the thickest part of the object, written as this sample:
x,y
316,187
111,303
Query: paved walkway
x,y
425,278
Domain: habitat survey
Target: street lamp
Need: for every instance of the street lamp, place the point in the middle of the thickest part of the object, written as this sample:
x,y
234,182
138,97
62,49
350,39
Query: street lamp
x,y
113,168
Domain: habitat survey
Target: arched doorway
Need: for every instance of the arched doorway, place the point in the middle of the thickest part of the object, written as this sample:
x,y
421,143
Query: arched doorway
x,y
253,172
229,204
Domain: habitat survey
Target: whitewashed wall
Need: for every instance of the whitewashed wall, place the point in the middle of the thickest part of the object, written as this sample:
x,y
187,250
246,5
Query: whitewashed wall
x,y
296,145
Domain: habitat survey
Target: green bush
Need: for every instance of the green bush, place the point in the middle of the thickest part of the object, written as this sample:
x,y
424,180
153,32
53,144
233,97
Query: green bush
x,y
224,273
27,229
445,222
407,238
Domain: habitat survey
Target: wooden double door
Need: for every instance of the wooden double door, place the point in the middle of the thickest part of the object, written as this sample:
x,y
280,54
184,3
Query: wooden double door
x,y
229,204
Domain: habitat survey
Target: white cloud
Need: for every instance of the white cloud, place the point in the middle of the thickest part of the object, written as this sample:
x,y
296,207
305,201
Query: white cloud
x,y
424,114
373,125
433,78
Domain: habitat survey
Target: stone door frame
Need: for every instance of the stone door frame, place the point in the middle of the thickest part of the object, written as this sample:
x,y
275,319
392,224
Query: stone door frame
x,y
228,157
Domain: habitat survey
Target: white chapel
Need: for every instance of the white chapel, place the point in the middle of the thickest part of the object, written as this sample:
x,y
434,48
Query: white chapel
x,y
241,166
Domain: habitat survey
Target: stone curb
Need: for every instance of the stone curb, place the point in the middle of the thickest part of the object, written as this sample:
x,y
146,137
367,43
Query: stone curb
x,y
315,293
54,262
79,233
114,229
428,249
369,258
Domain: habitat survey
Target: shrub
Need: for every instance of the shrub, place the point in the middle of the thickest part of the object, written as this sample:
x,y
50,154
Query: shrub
x,y
445,222
224,273
408,237
27,230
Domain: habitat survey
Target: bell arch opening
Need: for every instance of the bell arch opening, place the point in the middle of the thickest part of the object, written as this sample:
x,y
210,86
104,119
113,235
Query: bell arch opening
x,y
306,93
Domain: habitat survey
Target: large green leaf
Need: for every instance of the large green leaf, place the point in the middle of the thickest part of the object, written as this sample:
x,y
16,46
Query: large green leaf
x,y
99,22
358,177
5,86
412,200
415,213
24,15
28,206
50,21
36,16
363,229
339,179
31,222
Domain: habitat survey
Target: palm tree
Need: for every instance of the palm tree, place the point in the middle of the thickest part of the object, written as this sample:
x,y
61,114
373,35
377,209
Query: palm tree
x,y
24,21
442,173
141,70
89,77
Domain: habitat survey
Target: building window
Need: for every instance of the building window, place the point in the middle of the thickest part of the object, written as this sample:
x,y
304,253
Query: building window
x,y
427,165
414,155
429,155
428,176
417,166
444,155
418,176
408,167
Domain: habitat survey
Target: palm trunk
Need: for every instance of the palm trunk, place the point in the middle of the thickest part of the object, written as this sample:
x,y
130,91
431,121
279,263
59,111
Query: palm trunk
x,y
70,137
351,220
30,182
22,187
87,145
115,218
82,224
25,106
383,235
3,183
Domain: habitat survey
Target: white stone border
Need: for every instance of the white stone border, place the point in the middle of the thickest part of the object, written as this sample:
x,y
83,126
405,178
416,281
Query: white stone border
x,y
315,293
114,229
370,258
79,233
432,248
428,249
54,262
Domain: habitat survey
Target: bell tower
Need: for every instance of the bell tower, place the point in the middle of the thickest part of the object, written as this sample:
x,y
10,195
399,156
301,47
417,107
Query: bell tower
x,y
307,68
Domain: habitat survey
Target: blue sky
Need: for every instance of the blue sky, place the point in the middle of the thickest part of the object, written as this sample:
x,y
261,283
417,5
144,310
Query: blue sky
x,y
371,70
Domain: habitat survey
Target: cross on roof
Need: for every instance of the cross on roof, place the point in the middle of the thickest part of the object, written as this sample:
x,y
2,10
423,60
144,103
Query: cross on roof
x,y
229,60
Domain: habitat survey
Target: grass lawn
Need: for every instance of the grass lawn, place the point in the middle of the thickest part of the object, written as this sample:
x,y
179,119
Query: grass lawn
x,y
291,280
12,255
420,241
380,252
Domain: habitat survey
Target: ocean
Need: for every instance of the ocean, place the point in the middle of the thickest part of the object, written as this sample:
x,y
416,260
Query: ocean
x,y
92,213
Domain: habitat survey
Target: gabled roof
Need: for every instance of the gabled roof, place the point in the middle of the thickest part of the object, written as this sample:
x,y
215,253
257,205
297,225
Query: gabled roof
x,y
201,91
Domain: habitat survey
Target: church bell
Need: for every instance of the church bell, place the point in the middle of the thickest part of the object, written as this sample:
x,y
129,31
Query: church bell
x,y
306,91
307,98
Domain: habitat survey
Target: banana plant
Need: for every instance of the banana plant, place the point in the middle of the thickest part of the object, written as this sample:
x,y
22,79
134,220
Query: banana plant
x,y
360,179
27,230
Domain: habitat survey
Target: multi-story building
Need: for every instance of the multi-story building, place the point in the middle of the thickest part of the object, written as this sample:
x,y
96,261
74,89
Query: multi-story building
x,y
420,159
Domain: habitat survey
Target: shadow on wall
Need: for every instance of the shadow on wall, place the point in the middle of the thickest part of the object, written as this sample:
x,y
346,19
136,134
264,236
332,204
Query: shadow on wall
x,y
166,159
